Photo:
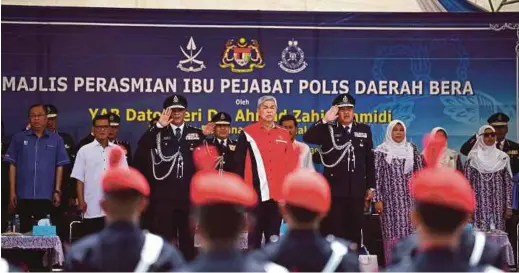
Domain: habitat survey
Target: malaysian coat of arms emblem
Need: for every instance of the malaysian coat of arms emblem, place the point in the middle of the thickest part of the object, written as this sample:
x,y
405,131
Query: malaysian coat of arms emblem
x,y
293,58
241,56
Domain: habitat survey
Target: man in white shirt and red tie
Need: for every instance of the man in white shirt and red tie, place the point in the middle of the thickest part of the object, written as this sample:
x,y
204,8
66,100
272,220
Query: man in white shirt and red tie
x,y
264,155
91,162
289,122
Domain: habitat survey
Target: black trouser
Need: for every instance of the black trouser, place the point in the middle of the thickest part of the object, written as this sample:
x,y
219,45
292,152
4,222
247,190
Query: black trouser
x,y
32,210
93,225
267,221
172,222
511,229
344,219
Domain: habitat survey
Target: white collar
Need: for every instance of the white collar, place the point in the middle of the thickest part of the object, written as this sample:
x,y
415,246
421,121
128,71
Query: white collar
x,y
174,127
110,144
221,140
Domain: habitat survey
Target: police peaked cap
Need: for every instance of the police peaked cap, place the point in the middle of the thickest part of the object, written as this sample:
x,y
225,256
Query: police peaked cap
x,y
222,118
114,119
52,111
344,100
175,101
498,119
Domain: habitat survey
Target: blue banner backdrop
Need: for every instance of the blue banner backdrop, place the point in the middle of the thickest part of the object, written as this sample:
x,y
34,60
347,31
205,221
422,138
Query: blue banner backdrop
x,y
449,70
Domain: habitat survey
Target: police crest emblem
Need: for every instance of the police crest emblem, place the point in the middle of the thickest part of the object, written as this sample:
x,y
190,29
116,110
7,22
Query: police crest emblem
x,y
241,56
293,58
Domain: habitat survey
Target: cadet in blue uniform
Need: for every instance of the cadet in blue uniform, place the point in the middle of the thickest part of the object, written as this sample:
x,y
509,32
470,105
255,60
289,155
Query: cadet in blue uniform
x,y
470,248
113,136
305,201
220,200
220,126
122,246
164,156
444,201
346,151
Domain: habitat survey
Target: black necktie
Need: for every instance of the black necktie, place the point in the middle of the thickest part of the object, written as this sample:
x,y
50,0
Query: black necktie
x,y
222,143
347,131
178,134
499,145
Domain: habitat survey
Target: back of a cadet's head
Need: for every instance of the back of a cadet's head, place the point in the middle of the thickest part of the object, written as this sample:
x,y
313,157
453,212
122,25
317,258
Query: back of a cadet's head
x,y
220,200
125,189
305,198
444,199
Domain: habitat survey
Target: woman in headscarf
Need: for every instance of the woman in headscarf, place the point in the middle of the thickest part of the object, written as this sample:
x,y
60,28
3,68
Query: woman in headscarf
x,y
395,161
450,158
488,170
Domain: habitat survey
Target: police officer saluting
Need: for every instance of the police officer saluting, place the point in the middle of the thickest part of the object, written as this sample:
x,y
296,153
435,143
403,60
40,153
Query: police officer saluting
x,y
164,156
444,201
346,154
122,246
221,126
305,201
220,200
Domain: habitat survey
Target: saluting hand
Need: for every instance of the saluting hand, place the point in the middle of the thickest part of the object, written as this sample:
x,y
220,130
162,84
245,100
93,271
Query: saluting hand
x,y
209,129
331,114
165,118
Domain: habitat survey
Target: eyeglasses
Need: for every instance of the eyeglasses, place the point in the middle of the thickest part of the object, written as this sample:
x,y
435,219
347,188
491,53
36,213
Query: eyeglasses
x,y
488,135
37,116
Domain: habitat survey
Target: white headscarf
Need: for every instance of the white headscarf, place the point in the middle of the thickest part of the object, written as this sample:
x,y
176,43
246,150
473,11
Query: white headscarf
x,y
488,159
449,156
402,150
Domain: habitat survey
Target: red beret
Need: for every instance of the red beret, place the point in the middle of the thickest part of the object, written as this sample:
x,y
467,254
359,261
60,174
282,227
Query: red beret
x,y
118,178
210,187
443,186
205,156
307,189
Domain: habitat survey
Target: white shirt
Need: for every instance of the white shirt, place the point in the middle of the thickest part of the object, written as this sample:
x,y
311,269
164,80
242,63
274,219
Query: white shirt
x,y
305,156
222,142
91,163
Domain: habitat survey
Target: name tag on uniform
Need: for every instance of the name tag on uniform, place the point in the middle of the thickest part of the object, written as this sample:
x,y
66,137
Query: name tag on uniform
x,y
337,135
167,138
50,146
360,134
512,152
192,136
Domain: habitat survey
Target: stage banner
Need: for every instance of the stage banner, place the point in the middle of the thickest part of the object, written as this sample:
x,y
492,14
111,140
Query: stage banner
x,y
428,70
